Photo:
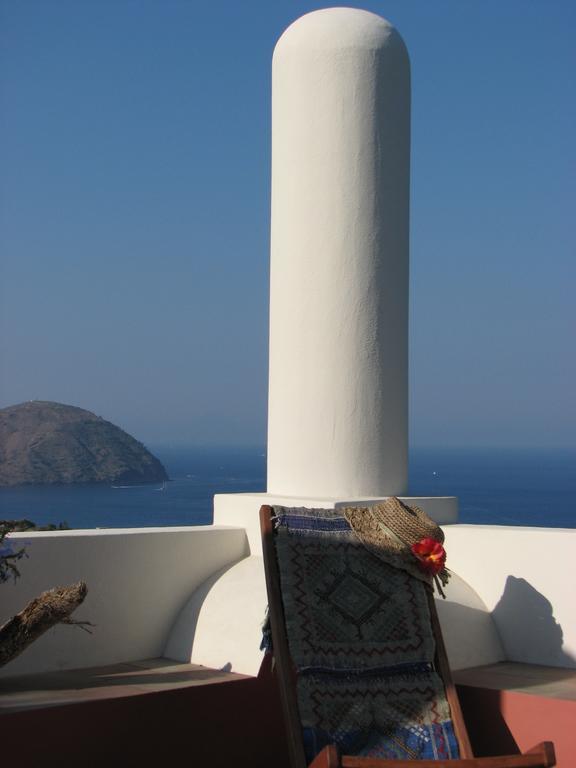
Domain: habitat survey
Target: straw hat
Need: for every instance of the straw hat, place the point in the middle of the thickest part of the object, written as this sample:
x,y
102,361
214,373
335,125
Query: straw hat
x,y
404,537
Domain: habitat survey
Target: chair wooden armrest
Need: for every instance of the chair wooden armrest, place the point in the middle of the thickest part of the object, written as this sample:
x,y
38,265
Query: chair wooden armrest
x,y
540,756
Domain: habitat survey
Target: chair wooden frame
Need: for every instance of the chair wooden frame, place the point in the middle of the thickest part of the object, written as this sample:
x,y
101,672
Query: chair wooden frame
x,y
541,756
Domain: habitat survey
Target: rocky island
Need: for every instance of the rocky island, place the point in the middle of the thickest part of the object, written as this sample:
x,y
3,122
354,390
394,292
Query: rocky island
x,y
51,443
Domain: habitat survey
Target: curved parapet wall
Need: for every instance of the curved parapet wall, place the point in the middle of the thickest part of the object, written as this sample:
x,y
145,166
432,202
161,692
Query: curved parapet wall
x,y
468,629
221,624
337,421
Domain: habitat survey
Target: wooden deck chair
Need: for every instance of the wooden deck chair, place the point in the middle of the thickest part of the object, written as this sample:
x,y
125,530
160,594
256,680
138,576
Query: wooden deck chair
x,y
363,672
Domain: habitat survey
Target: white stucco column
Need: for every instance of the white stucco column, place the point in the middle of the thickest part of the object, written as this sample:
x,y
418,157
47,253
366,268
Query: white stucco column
x,y
337,419
338,408
338,392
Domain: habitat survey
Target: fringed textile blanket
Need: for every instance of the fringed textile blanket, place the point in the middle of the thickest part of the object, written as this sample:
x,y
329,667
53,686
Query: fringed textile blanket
x,y
360,636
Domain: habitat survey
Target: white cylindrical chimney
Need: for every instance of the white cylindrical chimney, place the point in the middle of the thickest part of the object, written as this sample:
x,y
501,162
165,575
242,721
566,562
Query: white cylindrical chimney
x,y
337,422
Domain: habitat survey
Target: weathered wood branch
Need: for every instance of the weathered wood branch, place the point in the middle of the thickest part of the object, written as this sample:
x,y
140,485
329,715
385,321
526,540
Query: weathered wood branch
x,y
45,611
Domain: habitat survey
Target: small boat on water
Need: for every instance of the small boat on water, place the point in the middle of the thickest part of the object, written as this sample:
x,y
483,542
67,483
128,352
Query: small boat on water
x,y
139,485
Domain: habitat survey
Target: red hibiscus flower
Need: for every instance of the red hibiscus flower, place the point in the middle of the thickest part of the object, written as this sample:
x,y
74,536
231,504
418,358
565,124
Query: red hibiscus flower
x,y
431,554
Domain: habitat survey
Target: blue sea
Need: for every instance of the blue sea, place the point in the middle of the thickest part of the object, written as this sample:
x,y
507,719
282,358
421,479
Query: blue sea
x,y
496,486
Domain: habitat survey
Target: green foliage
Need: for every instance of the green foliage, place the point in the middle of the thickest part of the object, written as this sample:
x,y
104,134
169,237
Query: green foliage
x,y
9,556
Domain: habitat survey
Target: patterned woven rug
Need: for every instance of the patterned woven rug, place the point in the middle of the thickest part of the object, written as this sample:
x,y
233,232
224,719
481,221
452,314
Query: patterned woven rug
x,y
361,640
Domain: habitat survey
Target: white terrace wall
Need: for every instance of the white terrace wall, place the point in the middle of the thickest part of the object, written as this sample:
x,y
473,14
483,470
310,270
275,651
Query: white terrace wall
x,y
510,599
138,582
144,583
526,578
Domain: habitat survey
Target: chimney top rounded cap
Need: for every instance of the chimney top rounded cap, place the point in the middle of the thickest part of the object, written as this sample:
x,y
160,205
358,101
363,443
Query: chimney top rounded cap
x,y
339,28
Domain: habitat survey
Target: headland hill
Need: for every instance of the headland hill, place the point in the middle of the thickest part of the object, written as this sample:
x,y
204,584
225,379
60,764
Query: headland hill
x,y
46,443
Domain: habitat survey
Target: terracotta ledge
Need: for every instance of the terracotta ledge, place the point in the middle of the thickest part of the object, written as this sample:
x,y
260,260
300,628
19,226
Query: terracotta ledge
x,y
54,689
533,679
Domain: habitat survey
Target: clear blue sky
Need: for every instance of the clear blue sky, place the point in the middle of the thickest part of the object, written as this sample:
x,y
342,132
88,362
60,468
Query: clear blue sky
x,y
135,146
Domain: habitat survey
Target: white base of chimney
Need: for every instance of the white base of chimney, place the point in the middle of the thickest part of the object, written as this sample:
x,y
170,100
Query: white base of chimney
x,y
242,509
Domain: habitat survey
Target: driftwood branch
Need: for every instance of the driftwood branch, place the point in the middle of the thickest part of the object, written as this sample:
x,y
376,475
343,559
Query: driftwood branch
x,y
42,613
